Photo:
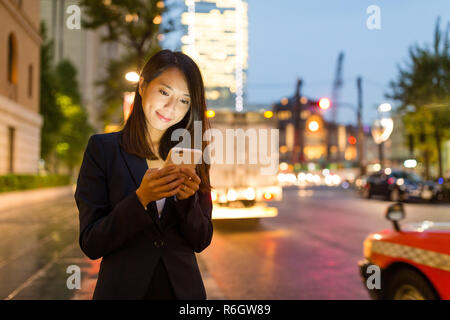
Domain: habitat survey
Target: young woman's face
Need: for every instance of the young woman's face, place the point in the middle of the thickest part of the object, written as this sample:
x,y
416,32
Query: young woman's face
x,y
165,99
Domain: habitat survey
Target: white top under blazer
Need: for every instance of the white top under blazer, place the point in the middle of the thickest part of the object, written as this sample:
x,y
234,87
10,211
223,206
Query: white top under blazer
x,y
157,164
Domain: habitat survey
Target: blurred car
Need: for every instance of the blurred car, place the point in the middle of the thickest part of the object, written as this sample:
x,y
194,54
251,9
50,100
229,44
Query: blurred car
x,y
400,186
360,183
414,261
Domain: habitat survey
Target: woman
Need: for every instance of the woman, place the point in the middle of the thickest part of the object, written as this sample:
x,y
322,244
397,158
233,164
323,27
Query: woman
x,y
146,223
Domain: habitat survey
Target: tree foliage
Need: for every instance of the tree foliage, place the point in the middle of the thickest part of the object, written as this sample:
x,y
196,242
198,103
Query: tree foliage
x,y
50,111
74,133
136,25
422,89
66,127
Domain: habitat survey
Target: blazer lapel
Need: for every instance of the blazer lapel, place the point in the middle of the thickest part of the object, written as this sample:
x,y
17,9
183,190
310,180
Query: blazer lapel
x,y
137,167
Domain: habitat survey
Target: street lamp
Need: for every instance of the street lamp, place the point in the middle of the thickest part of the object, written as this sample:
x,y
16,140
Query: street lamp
x,y
132,77
382,129
384,107
313,126
410,163
324,103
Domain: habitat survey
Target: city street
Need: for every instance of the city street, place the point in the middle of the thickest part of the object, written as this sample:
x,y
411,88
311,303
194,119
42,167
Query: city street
x,y
310,251
308,130
39,242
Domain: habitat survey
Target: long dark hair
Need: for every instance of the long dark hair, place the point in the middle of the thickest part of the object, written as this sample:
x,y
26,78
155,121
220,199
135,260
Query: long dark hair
x,y
134,133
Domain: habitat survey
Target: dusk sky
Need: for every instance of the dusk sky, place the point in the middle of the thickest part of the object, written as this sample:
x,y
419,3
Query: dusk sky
x,y
299,38
292,38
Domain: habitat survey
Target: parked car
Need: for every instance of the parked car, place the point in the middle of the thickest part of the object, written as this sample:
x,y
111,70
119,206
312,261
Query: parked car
x,y
401,186
414,261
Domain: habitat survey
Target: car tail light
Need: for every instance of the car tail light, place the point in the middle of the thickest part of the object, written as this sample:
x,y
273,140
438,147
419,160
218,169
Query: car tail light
x,y
268,196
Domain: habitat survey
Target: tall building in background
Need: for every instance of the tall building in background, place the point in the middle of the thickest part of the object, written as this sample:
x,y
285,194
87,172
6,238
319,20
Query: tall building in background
x,y
83,48
216,37
20,121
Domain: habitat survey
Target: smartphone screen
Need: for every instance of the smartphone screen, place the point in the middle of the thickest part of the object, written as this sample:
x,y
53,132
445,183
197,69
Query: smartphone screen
x,y
184,157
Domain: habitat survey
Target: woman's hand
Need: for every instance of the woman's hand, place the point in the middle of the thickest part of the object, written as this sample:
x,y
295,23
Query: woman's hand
x,y
159,183
190,185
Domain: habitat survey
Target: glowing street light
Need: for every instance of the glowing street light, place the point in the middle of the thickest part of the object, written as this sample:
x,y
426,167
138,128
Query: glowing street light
x,y
210,113
382,128
313,126
157,20
384,107
324,103
132,76
410,163
268,114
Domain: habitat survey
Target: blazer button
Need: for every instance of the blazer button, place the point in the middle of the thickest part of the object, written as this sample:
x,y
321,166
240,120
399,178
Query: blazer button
x,y
158,243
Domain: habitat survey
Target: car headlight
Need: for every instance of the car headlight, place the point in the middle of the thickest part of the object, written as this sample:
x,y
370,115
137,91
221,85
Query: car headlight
x,y
250,194
231,195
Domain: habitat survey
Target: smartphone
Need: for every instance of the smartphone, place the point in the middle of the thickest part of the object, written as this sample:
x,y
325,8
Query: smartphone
x,y
185,157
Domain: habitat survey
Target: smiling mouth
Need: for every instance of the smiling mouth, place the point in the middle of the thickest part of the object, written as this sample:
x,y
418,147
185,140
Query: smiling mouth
x,y
162,117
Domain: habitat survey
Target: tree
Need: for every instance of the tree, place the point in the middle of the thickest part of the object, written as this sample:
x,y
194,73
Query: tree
x,y
137,26
422,88
66,128
67,80
49,109
75,128
114,85
74,132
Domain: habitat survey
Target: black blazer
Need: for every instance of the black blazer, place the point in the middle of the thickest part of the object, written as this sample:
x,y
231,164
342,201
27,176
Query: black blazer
x,y
116,227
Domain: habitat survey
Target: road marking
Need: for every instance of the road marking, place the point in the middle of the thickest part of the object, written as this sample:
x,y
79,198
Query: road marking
x,y
41,272
48,238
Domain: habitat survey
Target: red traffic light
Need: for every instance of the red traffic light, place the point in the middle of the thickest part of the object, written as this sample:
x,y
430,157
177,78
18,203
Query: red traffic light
x,y
324,103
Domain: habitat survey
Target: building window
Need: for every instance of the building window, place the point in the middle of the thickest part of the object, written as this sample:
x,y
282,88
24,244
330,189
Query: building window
x,y
11,138
30,81
12,59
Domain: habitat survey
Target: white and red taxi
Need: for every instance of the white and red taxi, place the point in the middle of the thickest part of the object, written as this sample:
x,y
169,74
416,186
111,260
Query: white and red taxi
x,y
414,260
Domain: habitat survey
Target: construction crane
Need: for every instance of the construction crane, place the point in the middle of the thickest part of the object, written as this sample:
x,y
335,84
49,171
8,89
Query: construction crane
x,y
332,126
337,84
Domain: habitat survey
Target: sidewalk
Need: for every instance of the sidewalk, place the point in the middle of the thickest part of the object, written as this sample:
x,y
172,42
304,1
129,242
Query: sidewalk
x,y
43,242
13,199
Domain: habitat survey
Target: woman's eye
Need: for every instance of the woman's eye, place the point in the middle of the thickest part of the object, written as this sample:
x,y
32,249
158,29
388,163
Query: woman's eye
x,y
163,92
185,101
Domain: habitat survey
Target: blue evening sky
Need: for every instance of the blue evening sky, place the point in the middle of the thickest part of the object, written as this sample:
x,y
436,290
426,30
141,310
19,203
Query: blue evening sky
x,y
303,38
296,38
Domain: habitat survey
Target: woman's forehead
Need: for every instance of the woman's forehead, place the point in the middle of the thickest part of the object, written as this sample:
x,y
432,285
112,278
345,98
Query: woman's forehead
x,y
174,79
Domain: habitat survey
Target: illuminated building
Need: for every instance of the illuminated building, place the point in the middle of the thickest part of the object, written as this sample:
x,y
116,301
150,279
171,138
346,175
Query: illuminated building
x,y
20,121
216,37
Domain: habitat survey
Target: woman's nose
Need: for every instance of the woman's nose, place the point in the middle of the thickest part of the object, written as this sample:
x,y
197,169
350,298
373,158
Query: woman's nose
x,y
170,105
